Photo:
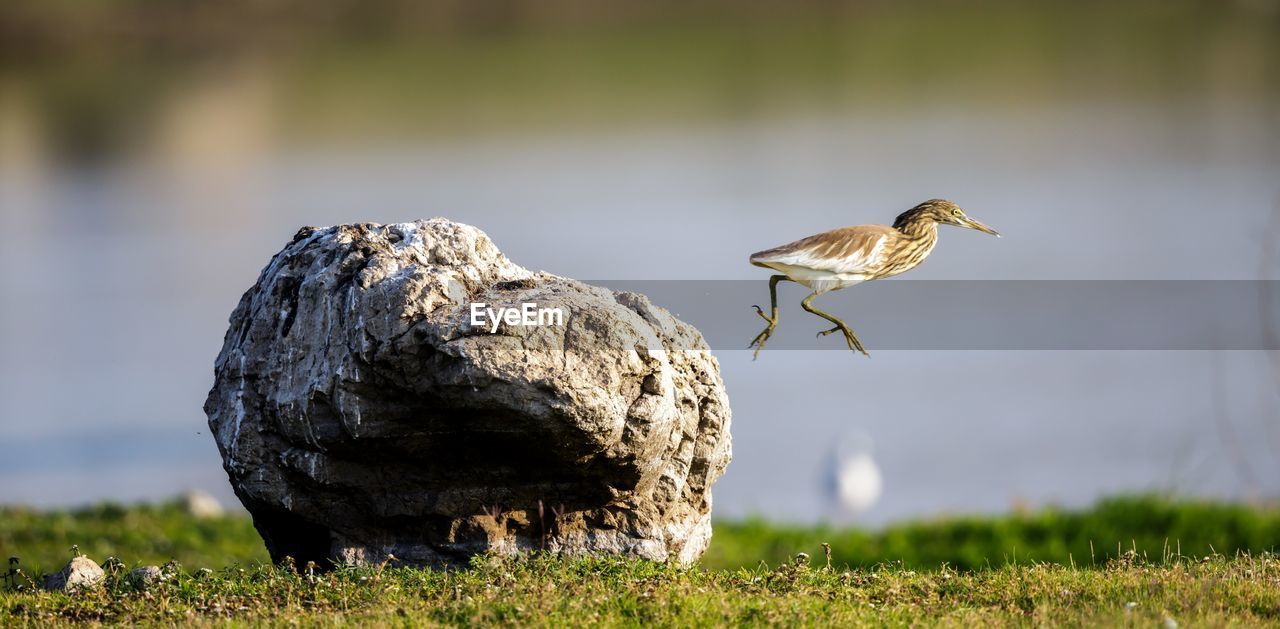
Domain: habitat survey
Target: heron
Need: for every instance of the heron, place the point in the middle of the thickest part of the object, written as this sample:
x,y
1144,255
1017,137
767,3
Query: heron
x,y
852,482
845,256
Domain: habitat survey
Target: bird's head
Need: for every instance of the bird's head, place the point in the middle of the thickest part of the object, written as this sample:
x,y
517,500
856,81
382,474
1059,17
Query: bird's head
x,y
944,212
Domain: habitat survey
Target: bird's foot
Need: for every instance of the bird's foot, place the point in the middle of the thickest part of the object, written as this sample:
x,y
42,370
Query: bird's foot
x,y
850,339
760,311
760,339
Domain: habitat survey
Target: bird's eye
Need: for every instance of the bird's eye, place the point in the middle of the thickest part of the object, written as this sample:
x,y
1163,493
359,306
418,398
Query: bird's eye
x,y
956,212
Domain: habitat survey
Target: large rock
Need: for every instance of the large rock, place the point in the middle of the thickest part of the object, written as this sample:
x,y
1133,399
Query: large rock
x,y
359,412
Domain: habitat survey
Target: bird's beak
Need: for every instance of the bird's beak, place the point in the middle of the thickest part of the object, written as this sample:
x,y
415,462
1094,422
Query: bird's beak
x,y
972,224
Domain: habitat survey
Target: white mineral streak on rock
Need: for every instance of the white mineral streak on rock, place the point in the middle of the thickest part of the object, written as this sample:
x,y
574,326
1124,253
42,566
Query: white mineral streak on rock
x,y
239,413
359,413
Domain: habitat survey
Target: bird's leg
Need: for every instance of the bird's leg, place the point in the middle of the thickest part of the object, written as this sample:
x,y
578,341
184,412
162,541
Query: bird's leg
x,y
850,338
772,318
763,336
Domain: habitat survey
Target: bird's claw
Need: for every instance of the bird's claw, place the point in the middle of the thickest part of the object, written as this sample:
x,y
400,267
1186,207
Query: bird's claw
x,y
760,339
849,339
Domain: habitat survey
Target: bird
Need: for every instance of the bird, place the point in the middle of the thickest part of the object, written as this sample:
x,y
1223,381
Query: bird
x,y
846,256
851,480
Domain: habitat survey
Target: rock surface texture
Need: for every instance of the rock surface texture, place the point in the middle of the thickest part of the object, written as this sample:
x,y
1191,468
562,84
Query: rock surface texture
x,y
360,413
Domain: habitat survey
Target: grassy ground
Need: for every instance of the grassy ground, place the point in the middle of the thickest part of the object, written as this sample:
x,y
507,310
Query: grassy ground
x,y
751,575
1152,526
546,591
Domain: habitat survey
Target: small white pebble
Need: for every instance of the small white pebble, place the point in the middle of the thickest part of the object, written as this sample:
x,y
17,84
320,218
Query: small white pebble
x,y
1170,623
1130,605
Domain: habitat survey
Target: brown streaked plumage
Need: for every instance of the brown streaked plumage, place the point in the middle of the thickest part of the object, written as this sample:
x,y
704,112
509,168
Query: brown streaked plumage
x,y
846,256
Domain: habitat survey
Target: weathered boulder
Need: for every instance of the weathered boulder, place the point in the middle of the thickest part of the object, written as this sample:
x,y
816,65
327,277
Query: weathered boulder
x,y
361,414
81,573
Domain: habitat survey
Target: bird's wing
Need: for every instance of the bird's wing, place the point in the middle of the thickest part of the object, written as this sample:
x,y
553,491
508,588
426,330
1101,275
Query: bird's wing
x,y
858,249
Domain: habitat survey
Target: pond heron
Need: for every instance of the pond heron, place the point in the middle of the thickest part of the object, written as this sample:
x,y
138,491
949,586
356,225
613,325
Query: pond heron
x,y
851,255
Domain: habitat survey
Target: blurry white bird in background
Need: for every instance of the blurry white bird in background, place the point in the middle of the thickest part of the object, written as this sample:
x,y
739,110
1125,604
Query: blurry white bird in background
x,y
851,480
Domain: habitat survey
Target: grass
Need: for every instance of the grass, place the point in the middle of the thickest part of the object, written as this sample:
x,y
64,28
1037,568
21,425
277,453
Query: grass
x,y
1151,526
956,571
546,591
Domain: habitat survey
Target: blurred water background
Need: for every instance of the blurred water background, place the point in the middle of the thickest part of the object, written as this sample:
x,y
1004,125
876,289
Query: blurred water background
x,y
154,155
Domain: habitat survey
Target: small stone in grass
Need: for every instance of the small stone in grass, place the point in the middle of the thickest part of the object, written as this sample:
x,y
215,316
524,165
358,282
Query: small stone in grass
x,y
145,577
81,573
